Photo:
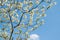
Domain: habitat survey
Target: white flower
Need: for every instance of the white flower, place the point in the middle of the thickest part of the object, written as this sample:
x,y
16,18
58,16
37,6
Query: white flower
x,y
54,3
37,2
43,10
4,34
25,16
5,0
43,21
25,2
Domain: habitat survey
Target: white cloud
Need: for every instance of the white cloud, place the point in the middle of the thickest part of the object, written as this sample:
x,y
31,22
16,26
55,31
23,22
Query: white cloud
x,y
34,37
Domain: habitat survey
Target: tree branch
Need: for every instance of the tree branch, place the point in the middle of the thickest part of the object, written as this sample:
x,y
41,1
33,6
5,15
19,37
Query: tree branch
x,y
26,12
19,21
12,27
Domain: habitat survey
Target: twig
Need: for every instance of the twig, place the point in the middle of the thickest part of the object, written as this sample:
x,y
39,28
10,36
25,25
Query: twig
x,y
26,12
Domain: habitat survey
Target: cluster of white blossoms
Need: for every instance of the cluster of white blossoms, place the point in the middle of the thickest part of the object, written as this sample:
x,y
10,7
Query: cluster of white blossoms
x,y
3,34
22,16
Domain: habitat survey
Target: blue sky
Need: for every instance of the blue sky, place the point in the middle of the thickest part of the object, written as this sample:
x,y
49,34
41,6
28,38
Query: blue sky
x,y
51,29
